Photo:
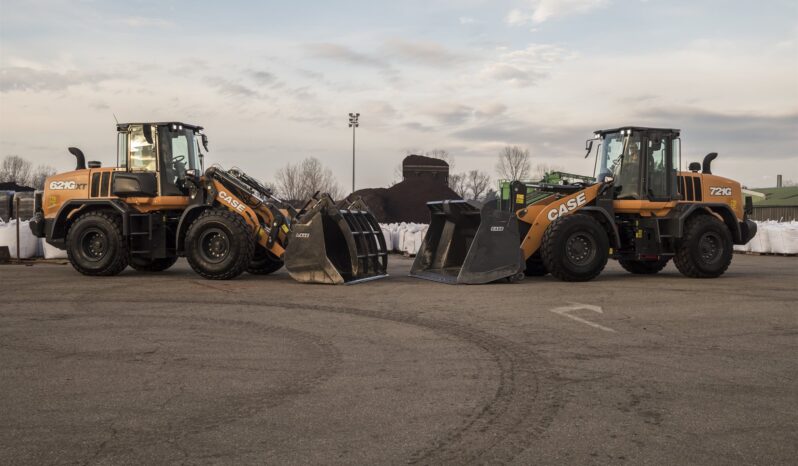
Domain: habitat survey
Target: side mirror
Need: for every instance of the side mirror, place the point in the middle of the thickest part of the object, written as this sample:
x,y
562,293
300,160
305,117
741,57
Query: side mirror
x,y
588,147
694,167
205,142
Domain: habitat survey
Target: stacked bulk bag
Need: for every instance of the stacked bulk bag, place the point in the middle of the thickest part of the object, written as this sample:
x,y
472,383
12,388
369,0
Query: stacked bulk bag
x,y
24,205
6,205
404,237
783,238
28,244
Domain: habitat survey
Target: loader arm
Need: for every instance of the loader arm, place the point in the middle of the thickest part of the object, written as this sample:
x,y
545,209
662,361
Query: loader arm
x,y
541,214
259,218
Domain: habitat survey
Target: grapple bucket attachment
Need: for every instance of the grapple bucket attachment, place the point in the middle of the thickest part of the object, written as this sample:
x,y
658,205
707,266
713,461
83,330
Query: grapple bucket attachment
x,y
468,242
335,245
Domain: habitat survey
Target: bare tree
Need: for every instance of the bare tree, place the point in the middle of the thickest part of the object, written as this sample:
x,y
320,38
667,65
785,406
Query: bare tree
x,y
477,182
40,174
458,184
15,169
542,168
513,163
442,154
300,181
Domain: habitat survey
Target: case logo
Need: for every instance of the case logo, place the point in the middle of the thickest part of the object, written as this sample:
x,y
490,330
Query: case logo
x,y
496,228
302,235
234,203
566,207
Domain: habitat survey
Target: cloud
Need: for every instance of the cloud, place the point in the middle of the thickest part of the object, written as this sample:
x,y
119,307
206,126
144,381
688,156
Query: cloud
x,y
452,114
543,10
335,52
18,78
416,126
466,20
524,67
734,135
146,22
423,53
231,88
263,77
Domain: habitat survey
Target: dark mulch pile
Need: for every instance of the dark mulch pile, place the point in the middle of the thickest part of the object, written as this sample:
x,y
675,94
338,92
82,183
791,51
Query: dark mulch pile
x,y
405,201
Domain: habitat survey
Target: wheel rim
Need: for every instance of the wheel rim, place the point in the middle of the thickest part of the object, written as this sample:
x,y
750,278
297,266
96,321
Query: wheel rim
x,y
94,244
214,245
710,247
580,248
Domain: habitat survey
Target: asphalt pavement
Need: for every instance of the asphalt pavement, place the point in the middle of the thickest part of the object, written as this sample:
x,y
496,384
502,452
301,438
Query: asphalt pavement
x,y
170,368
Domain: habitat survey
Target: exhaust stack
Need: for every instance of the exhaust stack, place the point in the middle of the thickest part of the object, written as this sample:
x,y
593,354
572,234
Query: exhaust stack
x,y
81,159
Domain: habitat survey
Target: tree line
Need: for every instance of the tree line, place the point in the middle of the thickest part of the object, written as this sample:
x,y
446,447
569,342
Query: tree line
x,y
513,163
299,181
15,169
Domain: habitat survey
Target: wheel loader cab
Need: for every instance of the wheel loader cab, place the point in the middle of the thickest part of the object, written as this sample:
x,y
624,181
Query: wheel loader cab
x,y
157,155
642,162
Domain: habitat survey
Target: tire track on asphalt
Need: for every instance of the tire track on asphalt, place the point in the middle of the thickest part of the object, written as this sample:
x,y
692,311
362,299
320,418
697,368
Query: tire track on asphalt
x,y
522,407
325,362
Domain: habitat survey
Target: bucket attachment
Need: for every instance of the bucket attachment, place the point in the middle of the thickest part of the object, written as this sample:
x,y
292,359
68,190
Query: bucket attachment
x,y
335,245
468,242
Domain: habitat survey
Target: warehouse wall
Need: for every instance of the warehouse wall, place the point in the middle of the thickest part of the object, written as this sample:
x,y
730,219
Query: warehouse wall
x,y
785,214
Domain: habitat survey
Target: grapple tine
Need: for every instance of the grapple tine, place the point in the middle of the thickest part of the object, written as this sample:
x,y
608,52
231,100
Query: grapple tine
x,y
337,246
468,242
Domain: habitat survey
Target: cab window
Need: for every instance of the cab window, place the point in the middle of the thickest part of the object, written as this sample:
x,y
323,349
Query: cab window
x,y
142,149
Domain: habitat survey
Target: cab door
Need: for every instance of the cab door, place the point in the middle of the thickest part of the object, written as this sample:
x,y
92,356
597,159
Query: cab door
x,y
659,180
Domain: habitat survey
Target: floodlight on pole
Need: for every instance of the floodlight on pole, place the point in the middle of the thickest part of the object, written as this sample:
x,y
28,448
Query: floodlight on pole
x,y
353,123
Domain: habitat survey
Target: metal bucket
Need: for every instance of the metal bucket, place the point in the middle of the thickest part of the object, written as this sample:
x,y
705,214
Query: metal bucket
x,y
335,245
469,242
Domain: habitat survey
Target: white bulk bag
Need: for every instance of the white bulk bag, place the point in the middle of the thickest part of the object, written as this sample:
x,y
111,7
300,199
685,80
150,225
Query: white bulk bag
x,y
27,242
52,252
783,238
760,243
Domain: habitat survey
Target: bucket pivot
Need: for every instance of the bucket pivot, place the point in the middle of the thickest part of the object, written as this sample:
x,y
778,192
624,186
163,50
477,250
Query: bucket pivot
x,y
469,242
335,245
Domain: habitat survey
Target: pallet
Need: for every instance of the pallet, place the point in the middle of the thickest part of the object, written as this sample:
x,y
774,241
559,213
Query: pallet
x,y
778,254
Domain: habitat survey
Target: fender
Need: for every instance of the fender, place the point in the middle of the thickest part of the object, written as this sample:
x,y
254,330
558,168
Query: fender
x,y
718,209
56,234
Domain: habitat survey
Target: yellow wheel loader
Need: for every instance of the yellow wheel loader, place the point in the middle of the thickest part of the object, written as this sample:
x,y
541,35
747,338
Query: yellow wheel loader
x,y
641,210
157,205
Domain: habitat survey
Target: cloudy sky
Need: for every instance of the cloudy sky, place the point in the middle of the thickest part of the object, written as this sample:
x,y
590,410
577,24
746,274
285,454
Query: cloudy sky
x,y
273,83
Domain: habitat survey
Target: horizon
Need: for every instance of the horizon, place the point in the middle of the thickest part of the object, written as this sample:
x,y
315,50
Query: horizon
x,y
274,83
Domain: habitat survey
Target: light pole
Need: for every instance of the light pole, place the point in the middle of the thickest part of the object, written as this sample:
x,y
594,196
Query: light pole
x,y
353,124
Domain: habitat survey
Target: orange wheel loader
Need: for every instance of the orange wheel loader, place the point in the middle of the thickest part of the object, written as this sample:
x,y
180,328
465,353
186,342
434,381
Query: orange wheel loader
x,y
157,205
641,211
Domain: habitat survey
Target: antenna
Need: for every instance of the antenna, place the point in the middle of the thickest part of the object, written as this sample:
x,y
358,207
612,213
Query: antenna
x,y
115,119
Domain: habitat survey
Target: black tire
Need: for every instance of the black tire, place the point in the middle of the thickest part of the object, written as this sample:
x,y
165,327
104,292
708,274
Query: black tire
x,y
151,265
535,266
219,244
644,267
264,262
705,250
575,248
95,244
